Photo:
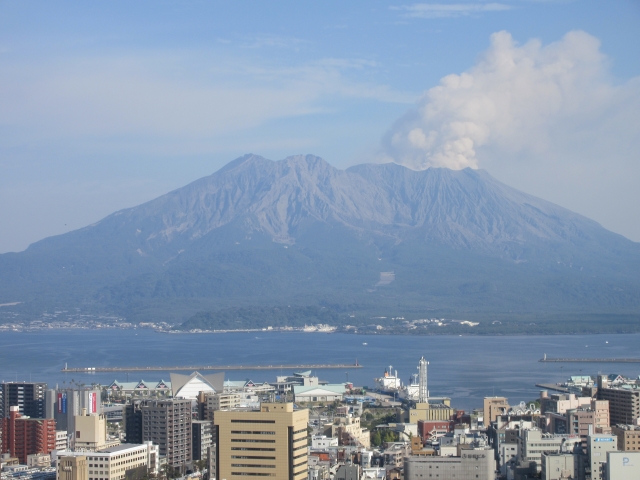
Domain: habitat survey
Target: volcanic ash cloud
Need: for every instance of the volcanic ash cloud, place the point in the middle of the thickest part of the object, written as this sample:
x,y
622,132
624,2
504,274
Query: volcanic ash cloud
x,y
515,98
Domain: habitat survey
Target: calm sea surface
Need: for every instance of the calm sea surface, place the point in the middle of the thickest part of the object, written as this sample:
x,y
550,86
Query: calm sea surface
x,y
465,368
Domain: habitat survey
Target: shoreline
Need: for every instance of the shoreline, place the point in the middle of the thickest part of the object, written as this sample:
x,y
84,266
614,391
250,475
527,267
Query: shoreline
x,y
331,332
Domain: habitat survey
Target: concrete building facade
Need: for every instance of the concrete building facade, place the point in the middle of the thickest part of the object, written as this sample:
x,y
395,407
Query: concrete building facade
x,y
271,442
72,468
209,403
132,419
120,462
622,465
202,432
597,448
22,437
91,433
624,401
62,440
28,397
63,405
532,443
167,423
493,408
628,437
563,466
476,464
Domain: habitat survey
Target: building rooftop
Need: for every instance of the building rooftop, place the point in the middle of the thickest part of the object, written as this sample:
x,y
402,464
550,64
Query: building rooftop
x,y
118,448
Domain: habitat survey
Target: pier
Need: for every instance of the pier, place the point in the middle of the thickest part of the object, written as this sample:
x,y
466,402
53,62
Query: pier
x,y
589,360
325,366
553,386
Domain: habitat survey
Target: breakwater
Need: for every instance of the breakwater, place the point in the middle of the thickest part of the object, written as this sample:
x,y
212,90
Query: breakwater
x,y
590,360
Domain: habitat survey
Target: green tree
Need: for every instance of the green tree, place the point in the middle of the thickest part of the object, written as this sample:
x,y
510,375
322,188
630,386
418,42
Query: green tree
x,y
376,440
200,465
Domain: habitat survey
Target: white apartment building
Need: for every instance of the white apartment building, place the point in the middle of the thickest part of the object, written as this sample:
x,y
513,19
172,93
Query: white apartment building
x,y
62,440
322,442
533,443
115,462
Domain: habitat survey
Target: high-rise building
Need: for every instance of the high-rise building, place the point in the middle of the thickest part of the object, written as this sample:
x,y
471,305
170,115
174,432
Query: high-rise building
x,y
167,423
598,445
624,402
270,442
28,397
132,419
64,405
22,437
72,468
202,438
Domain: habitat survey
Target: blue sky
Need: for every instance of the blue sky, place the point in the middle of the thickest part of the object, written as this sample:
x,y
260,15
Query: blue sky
x,y
104,105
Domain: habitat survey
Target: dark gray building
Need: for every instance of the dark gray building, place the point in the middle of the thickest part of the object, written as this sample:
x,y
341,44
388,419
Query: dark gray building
x,y
28,397
132,420
167,423
202,438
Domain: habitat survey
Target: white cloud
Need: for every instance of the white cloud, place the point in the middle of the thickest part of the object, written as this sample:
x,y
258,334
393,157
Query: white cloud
x,y
448,10
519,100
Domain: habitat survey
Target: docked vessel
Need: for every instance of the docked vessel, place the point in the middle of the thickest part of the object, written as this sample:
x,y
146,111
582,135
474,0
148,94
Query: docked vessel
x,y
411,391
389,382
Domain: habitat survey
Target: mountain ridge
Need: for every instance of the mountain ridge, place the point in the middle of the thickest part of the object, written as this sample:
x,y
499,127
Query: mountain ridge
x,y
300,230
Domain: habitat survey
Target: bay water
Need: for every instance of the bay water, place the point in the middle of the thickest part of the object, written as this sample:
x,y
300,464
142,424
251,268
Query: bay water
x,y
465,368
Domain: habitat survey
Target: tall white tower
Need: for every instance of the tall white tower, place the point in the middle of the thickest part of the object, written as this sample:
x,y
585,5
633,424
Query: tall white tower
x,y
423,393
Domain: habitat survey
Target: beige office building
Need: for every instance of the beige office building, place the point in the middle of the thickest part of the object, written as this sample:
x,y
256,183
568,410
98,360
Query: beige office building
x,y
72,468
91,433
212,402
270,442
494,407
428,412
118,463
628,437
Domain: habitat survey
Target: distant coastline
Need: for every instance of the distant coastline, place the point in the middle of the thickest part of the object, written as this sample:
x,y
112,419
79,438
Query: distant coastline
x,y
507,330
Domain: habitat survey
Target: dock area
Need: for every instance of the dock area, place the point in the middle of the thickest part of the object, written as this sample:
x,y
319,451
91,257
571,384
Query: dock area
x,y
553,386
326,366
590,360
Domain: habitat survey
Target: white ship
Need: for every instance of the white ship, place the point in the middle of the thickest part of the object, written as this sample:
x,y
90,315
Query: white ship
x,y
389,382
411,391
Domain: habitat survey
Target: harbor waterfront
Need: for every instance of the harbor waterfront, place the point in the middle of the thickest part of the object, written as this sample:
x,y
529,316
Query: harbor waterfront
x,y
315,366
465,368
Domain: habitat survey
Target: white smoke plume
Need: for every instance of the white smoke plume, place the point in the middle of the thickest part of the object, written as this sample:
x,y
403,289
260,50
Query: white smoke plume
x,y
516,98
